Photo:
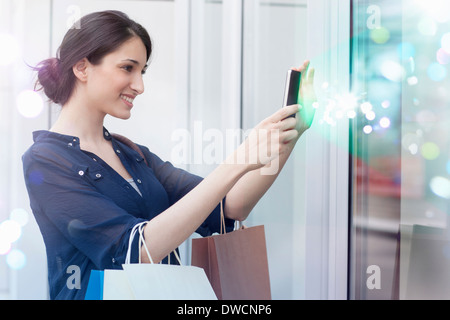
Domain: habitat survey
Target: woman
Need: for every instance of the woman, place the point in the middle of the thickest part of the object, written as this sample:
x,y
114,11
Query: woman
x,y
88,190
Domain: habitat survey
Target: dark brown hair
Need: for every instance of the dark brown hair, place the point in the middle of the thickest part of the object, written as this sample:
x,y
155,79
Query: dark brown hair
x,y
93,37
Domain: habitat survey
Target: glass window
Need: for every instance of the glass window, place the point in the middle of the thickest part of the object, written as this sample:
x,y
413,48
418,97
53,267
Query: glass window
x,y
400,166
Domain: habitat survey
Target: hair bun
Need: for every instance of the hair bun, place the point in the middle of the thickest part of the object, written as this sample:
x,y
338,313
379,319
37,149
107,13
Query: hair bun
x,y
49,75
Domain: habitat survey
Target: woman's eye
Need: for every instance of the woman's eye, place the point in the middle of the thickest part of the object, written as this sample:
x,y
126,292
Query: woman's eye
x,y
128,68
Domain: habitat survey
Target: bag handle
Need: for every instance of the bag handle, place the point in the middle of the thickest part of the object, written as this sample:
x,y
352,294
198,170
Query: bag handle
x,y
223,229
140,229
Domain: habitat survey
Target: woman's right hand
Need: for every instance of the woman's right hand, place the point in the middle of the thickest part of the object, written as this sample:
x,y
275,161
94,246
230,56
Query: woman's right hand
x,y
267,140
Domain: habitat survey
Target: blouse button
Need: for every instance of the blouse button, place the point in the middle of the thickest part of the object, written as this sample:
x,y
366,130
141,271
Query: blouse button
x,y
81,173
69,144
98,175
118,151
139,181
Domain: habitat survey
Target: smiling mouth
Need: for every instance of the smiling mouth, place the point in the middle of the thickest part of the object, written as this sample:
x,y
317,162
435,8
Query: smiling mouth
x,y
128,100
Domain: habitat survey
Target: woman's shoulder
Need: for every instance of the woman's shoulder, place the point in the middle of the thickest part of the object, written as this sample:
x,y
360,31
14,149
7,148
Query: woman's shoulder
x,y
48,147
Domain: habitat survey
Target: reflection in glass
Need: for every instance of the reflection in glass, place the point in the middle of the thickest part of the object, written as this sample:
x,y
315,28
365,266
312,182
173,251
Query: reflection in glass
x,y
400,154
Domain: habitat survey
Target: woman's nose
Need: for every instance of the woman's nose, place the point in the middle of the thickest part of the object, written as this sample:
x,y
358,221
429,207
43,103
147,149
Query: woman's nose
x,y
138,84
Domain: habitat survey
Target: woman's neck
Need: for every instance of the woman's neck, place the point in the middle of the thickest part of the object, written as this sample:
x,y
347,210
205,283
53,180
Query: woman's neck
x,y
77,119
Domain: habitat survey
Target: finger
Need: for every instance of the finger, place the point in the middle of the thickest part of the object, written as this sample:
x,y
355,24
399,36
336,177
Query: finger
x,y
305,71
310,78
287,136
287,124
302,67
284,112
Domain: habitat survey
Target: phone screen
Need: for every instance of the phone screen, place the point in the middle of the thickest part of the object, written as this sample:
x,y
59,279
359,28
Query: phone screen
x,y
292,88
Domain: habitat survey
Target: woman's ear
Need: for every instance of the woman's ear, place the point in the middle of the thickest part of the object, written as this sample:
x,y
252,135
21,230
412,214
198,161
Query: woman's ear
x,y
80,69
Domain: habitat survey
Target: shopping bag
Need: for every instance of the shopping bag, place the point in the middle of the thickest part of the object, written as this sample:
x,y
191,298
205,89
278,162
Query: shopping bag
x,y
94,289
235,263
142,281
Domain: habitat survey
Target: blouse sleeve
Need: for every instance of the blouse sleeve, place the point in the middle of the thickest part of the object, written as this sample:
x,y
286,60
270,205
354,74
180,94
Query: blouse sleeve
x,y
177,183
66,206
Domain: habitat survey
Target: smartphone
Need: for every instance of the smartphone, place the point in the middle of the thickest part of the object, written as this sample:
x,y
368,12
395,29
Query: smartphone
x,y
291,88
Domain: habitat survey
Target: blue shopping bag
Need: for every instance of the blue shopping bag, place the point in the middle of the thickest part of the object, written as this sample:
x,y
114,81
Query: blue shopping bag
x,y
95,286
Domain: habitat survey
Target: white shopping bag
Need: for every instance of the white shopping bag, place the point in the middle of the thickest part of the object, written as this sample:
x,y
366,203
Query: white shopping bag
x,y
142,281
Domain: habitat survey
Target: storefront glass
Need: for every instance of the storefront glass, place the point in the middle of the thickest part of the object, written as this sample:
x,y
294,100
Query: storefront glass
x,y
400,167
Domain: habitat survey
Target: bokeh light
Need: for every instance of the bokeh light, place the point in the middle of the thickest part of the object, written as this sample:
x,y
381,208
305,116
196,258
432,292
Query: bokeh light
x,y
427,26
445,42
10,49
10,231
442,56
367,129
406,50
20,216
29,104
16,259
436,72
366,107
380,35
5,246
410,142
385,122
386,104
430,150
440,187
392,70
412,81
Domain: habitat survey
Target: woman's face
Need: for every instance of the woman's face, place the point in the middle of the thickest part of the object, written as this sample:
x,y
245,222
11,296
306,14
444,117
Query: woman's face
x,y
115,82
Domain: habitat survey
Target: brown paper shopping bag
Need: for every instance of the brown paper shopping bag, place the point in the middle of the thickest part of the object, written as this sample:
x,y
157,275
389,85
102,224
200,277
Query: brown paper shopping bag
x,y
235,263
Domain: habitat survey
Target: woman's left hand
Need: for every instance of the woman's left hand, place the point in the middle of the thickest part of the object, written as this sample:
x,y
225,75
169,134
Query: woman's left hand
x,y
307,98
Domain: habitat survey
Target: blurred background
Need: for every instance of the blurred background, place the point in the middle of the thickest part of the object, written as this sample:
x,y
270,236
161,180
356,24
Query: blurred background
x,y
360,209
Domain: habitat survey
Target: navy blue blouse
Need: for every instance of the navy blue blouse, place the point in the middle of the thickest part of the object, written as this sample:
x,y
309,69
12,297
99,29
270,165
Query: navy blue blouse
x,y
86,210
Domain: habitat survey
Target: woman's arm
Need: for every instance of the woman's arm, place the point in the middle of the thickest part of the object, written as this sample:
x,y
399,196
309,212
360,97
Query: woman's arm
x,y
172,227
246,193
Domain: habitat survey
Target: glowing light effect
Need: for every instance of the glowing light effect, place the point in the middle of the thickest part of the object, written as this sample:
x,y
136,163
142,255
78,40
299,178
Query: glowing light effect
x,y
16,259
410,142
442,56
406,50
426,117
438,10
366,107
346,101
20,216
427,26
412,81
392,70
10,231
10,49
370,115
440,187
436,72
5,246
413,148
380,35
367,129
29,104
445,42
430,150
385,122
386,104
351,114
